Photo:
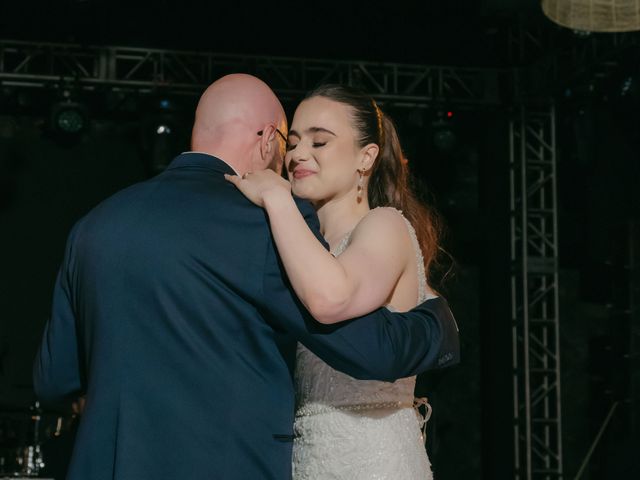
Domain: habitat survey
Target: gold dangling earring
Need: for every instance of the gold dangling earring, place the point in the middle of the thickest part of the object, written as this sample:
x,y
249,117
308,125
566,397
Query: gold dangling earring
x,y
360,185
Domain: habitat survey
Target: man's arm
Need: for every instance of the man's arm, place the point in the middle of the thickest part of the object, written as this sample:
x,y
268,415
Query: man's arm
x,y
56,372
382,345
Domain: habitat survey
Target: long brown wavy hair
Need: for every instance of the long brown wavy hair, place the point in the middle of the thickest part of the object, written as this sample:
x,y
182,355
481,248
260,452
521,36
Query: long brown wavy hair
x,y
390,180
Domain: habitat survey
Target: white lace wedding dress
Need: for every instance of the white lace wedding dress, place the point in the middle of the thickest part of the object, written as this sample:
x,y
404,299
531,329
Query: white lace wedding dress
x,y
357,429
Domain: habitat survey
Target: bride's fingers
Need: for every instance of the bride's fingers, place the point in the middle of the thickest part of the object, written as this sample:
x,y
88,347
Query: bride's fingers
x,y
235,179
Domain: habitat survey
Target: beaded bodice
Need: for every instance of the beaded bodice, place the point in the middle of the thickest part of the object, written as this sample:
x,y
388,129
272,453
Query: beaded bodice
x,y
319,387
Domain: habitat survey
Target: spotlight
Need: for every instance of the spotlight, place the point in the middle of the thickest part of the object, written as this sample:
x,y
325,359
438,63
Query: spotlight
x,y
163,130
627,87
582,33
163,145
69,117
444,138
8,127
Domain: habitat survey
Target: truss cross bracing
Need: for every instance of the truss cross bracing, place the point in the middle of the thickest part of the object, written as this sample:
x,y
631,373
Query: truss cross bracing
x,y
534,295
122,68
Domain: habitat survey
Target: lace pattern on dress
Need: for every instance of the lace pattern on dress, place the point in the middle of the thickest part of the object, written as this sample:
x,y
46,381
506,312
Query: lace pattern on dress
x,y
359,429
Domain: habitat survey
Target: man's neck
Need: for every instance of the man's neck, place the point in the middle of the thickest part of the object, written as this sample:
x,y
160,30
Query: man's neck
x,y
222,160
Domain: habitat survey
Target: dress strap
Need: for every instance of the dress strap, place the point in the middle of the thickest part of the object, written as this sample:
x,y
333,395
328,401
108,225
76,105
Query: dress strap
x,y
423,418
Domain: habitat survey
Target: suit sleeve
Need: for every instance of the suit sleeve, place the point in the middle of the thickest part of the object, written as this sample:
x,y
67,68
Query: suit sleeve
x,y
381,345
56,372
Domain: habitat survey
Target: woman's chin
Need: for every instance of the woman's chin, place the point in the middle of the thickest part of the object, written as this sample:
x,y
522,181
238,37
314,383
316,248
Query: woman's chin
x,y
302,192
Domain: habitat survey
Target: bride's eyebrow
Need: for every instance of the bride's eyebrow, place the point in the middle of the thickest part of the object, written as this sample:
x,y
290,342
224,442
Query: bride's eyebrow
x,y
312,130
320,130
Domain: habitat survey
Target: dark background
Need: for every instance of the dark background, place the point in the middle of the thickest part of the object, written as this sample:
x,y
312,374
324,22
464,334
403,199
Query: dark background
x,y
47,182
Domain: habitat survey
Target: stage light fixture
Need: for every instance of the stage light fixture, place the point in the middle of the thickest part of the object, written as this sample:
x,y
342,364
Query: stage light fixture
x,y
163,129
627,87
163,146
444,137
69,117
8,127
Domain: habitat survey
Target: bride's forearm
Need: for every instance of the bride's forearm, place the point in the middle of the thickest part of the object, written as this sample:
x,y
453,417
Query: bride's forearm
x,y
317,277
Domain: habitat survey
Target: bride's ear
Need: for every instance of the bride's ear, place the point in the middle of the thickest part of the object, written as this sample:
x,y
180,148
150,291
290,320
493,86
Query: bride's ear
x,y
369,154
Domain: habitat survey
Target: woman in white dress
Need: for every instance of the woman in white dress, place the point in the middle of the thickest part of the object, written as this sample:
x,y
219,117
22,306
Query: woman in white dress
x,y
343,155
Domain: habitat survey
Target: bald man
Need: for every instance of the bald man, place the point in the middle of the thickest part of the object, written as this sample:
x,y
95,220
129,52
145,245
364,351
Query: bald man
x,y
173,316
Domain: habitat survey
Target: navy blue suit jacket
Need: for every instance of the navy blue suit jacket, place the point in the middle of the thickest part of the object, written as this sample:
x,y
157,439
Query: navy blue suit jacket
x,y
172,314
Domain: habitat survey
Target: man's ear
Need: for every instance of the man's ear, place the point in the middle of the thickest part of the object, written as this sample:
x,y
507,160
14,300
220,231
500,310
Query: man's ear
x,y
267,143
262,157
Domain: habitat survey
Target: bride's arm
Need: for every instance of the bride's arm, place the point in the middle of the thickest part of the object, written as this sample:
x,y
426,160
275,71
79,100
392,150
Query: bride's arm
x,y
333,289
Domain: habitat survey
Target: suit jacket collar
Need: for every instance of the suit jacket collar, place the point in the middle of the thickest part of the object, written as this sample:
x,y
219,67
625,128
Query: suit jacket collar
x,y
201,160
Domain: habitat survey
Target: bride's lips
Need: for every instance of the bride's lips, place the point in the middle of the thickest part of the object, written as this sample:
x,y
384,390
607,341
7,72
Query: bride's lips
x,y
302,173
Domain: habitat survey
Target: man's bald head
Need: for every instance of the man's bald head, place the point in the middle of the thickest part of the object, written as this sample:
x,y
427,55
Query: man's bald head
x,y
230,113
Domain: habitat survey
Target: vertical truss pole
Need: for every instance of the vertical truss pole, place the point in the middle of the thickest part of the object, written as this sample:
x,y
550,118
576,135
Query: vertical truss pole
x,y
534,294
634,337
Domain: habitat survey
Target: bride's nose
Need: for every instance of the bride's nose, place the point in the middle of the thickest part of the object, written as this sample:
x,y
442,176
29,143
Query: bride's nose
x,y
296,155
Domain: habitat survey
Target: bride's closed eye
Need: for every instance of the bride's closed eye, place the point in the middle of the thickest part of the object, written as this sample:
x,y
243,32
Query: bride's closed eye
x,y
291,146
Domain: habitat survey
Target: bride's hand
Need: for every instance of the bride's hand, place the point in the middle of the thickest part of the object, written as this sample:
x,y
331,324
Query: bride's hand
x,y
256,186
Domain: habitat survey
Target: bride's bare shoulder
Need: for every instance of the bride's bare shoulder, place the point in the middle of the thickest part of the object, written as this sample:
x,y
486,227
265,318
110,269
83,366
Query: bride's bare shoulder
x,y
383,225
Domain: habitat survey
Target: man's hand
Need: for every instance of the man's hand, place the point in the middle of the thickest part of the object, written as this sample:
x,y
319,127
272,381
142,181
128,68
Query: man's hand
x,y
77,406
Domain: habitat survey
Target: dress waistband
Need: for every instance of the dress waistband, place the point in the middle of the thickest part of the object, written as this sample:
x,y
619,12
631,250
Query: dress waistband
x,y
320,408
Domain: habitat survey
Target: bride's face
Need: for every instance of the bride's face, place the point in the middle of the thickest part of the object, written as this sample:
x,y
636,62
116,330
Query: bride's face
x,y
323,156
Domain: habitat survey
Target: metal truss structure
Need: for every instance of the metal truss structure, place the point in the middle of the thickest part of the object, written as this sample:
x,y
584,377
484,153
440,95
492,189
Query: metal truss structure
x,y
548,59
534,294
553,57
634,330
147,70
534,276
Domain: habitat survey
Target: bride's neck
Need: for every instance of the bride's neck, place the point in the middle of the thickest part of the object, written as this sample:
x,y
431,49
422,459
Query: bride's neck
x,y
339,216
